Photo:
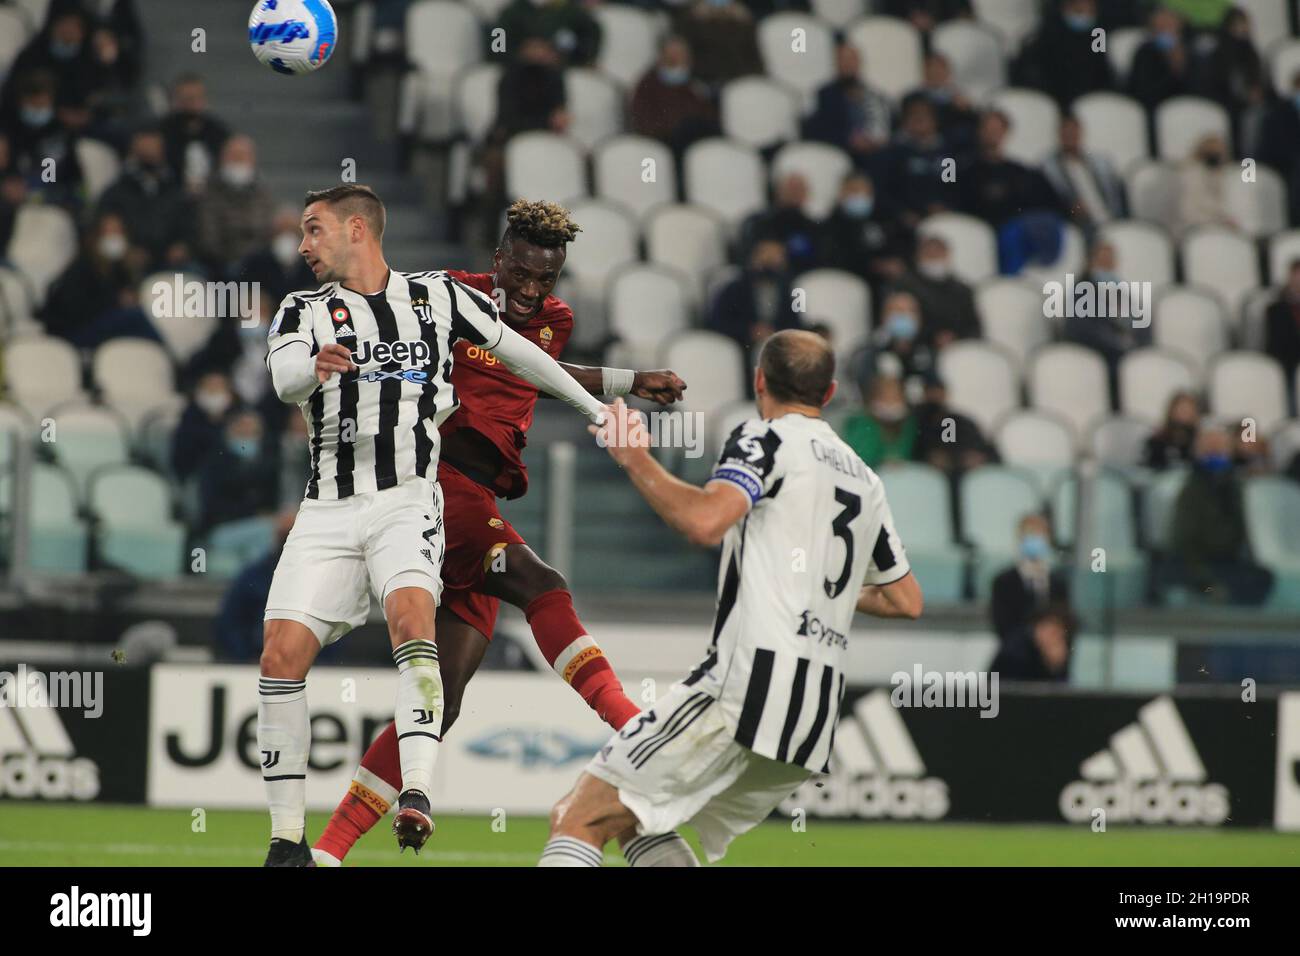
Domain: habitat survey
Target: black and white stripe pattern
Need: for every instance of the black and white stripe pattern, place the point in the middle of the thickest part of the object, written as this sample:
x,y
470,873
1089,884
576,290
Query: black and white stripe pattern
x,y
568,851
413,651
372,428
636,850
280,686
672,728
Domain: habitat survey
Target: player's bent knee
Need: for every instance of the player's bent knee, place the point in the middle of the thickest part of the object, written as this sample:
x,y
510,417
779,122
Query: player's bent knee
x,y
410,614
288,648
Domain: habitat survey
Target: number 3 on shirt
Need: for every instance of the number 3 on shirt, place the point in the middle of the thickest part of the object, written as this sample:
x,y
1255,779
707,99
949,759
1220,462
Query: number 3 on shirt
x,y
852,507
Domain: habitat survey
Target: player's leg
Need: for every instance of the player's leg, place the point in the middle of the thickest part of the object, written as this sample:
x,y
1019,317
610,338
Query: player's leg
x,y
378,779
587,818
517,575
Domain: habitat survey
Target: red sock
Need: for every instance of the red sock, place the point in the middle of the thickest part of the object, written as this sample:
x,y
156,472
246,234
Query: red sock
x,y
577,658
373,790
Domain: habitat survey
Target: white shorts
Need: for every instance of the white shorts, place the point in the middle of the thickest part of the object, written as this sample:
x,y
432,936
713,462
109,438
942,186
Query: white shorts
x,y
341,550
678,763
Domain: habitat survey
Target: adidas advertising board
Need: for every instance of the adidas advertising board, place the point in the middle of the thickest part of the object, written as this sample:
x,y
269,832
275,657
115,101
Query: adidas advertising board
x,y
1286,797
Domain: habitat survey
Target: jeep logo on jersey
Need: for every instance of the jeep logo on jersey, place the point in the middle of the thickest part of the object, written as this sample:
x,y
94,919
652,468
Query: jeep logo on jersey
x,y
875,771
1149,773
416,352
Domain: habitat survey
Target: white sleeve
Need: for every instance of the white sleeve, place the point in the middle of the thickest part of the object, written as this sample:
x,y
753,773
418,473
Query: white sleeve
x,y
290,350
537,368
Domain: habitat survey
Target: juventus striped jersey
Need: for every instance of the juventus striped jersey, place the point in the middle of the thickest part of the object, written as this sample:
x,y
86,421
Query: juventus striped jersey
x,y
818,529
371,428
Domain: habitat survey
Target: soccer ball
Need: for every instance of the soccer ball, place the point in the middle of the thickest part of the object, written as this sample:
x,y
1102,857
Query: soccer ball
x,y
293,36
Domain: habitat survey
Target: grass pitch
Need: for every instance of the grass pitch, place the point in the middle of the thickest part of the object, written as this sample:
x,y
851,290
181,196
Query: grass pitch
x,y
98,835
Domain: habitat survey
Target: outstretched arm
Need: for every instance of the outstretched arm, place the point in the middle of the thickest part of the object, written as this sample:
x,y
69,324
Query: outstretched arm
x,y
662,386
537,368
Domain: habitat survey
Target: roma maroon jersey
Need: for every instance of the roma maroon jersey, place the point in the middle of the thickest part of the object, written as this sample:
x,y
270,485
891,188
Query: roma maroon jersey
x,y
494,401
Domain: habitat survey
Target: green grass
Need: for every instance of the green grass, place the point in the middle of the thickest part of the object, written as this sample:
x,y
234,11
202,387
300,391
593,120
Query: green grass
x,y
97,835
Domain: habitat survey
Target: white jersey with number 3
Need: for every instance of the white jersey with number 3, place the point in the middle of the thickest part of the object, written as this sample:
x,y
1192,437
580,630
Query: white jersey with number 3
x,y
818,529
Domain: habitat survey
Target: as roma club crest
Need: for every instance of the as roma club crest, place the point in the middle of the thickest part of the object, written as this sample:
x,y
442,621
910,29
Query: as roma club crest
x,y
423,310
545,336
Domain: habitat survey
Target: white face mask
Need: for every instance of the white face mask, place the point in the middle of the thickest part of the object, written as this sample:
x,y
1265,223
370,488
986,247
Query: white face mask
x,y
238,174
285,249
112,246
212,402
935,268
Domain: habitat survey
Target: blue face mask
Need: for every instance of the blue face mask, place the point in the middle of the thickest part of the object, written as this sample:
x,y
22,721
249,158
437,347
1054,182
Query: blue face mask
x,y
1166,41
36,115
1215,464
674,75
901,325
1079,22
858,206
63,51
245,449
1034,547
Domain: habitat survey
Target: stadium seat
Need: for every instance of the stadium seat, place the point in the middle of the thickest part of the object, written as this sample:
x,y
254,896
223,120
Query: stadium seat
x,y
183,335
443,39
1158,499
133,376
475,100
1272,505
1114,126
1073,259
1111,526
1258,208
545,164
759,112
16,306
1122,46
843,302
154,434
41,372
691,239
1011,315
232,545
972,243
622,174
594,104
1222,261
1039,443
1071,381
1283,249
607,242
993,499
99,166
1248,385
891,54
1153,192
714,366
1014,20
1284,61
975,53
1035,119
1143,252
839,13
725,176
1191,323
14,34
982,381
804,67
86,438
919,502
489,10
1251,330
136,531
629,40
1120,442
823,166
1147,379
1182,121
1284,443
648,305
43,243
57,540
1268,20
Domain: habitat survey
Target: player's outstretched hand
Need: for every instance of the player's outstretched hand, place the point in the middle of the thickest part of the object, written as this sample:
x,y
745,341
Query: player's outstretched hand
x,y
623,432
333,358
663,386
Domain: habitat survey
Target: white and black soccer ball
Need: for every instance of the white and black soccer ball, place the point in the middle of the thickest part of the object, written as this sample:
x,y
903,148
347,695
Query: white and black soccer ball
x,y
293,36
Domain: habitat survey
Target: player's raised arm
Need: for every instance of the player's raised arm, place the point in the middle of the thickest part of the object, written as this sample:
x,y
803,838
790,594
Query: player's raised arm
x,y
289,355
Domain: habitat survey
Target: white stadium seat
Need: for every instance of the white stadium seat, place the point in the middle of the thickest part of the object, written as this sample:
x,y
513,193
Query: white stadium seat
x,y
1014,20
757,111
607,242
1071,381
1115,126
1153,192
712,364
88,437
1035,124
1037,441
1120,442
43,244
1252,331
1147,379
891,54
804,66
971,242
691,239
1258,208
42,372
629,40
725,176
1284,443
442,41
842,301
1121,46
99,166
975,53
14,33
1284,63
475,100
648,304
1268,20
622,174
183,335
595,104
1222,261
1181,123
1283,249
16,306
1191,323
982,381
823,167
545,164
839,13
134,376
1248,385
1011,315
1143,252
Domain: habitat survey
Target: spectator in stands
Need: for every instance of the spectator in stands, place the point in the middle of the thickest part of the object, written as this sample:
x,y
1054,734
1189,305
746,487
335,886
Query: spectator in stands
x,y
947,439
849,114
13,193
1160,67
116,99
295,459
60,49
995,188
1282,324
277,267
97,296
1234,75
1278,143
1061,60
787,222
957,117
925,15
38,137
910,174
1038,651
899,347
193,136
530,94
563,24
756,303
235,211
237,630
153,205
241,478
671,105
884,430
723,38
201,429
1110,336
947,304
1202,195
1171,443
1087,186
861,239
1032,585
1210,551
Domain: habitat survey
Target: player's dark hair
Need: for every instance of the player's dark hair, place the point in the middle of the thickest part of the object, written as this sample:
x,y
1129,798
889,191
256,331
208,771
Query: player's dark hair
x,y
798,367
539,222
353,199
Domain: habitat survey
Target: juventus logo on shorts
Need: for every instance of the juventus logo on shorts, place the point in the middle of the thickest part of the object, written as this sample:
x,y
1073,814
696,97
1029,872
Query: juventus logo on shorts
x,y
420,306
270,758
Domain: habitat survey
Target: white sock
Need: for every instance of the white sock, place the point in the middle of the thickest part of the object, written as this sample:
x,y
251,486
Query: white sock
x,y
666,849
418,713
284,737
568,851
324,859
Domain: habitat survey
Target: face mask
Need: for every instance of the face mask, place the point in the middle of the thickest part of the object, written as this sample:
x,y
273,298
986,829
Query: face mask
x,y
674,75
63,51
1166,41
941,96
244,449
901,325
1034,547
1079,22
112,246
214,403
1215,464
37,115
238,174
889,412
858,205
285,248
935,268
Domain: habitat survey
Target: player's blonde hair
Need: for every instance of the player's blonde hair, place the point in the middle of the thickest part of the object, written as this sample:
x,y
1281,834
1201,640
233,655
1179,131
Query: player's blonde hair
x,y
539,222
